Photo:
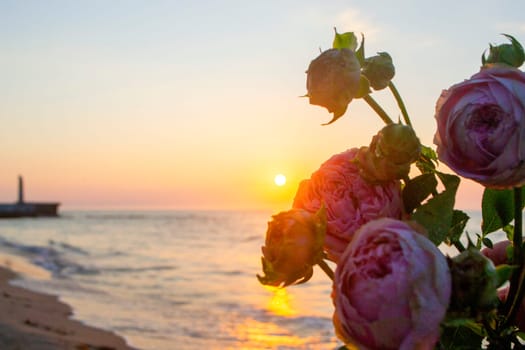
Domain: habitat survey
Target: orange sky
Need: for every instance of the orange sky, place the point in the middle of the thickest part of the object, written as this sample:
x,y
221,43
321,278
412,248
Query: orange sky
x,y
171,106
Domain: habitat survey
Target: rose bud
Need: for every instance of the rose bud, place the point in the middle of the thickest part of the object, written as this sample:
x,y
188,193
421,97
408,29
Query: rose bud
x,y
294,244
481,127
350,200
333,80
390,154
474,283
379,70
391,289
511,54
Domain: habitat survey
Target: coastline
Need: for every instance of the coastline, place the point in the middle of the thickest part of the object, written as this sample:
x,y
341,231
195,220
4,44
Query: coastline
x,y
36,321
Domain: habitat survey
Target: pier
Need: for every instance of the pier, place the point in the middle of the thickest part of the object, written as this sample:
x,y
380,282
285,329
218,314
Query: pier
x,y
21,208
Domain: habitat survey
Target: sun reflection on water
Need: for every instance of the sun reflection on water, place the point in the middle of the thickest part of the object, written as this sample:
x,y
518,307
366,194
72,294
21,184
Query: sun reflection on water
x,y
254,334
280,302
281,326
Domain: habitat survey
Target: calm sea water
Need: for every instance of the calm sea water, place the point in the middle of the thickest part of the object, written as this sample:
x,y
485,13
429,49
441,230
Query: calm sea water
x,y
171,280
174,279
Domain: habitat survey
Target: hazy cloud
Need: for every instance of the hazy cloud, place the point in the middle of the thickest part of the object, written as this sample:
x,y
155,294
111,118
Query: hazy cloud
x,y
512,28
352,20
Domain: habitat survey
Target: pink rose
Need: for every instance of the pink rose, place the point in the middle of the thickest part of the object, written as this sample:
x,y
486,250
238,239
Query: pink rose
x,y
391,289
350,200
481,127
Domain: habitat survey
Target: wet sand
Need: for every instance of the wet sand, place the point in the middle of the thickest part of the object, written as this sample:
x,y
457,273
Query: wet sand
x,y
36,321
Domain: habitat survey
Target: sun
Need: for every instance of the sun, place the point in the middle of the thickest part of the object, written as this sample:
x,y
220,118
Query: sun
x,y
279,179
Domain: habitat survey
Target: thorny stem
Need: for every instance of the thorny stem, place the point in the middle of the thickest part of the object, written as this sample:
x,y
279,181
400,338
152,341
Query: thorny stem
x,y
378,109
400,103
517,284
324,266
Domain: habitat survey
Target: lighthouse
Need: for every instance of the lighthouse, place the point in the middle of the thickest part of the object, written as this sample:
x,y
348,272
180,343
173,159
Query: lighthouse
x,y
21,208
20,190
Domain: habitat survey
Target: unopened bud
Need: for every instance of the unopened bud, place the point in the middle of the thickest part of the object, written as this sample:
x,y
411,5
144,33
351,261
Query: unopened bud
x,y
474,283
294,244
399,143
510,54
333,80
379,70
390,154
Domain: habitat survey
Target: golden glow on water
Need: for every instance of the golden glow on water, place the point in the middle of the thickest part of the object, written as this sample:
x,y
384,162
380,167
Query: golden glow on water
x,y
280,302
253,334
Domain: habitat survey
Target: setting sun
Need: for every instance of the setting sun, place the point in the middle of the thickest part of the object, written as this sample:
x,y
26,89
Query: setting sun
x,y
279,179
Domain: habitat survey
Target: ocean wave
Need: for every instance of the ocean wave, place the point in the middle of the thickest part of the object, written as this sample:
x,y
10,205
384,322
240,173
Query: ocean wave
x,y
70,247
138,269
251,238
117,216
51,257
60,267
228,272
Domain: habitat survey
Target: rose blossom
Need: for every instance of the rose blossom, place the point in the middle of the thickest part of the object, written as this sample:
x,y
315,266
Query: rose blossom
x,y
349,199
294,244
391,289
481,127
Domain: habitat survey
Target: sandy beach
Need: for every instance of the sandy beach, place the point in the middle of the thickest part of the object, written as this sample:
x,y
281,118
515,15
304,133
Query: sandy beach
x,y
36,321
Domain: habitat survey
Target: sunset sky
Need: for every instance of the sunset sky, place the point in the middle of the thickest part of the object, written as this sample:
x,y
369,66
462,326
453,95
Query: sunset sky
x,y
195,104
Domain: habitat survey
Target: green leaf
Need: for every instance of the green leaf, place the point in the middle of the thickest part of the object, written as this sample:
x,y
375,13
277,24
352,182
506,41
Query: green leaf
x,y
518,49
337,114
427,160
459,221
462,334
509,232
429,153
360,53
487,242
464,322
521,335
436,217
510,252
417,190
346,40
451,182
479,241
503,273
437,213
497,208
471,244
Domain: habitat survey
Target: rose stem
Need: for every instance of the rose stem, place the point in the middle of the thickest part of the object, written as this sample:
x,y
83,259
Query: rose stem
x,y
517,288
400,102
377,108
324,266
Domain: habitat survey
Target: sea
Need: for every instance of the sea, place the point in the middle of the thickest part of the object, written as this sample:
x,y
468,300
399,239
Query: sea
x,y
171,280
